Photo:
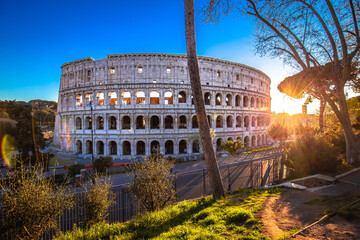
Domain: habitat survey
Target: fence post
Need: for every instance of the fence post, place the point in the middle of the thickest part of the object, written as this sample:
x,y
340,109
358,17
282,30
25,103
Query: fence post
x,y
175,187
123,203
251,175
229,179
262,177
282,168
204,182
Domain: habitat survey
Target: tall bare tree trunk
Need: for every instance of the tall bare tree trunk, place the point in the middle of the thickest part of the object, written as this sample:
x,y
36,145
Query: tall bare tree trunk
x,y
193,65
321,114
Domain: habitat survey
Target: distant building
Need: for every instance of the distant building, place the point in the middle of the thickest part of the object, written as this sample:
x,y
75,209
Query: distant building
x,y
143,101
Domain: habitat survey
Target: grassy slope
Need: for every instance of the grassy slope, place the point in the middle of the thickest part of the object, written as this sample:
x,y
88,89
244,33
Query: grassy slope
x,y
229,218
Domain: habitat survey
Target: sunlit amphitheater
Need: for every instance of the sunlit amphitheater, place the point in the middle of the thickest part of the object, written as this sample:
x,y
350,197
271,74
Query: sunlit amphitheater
x,y
129,105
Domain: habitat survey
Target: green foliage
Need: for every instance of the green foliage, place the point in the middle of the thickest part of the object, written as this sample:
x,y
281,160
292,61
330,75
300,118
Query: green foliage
x,y
30,204
201,219
101,164
96,202
232,147
310,154
74,170
151,183
28,137
278,132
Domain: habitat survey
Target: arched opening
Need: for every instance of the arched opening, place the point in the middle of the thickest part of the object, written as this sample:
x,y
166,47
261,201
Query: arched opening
x,y
263,139
78,147
112,148
168,98
253,121
207,98
247,141
140,148
140,97
253,141
154,122
99,148
100,98
194,122
196,146
237,101
182,122
252,102
169,147
219,122
218,144
238,121
112,123
113,98
87,99
228,100
229,122
99,123
78,123
155,147
126,98
246,101
182,97
154,97
209,120
126,122
230,139
259,141
259,121
79,102
140,122
88,147
169,123
246,121
182,147
218,99
257,103
126,147
88,123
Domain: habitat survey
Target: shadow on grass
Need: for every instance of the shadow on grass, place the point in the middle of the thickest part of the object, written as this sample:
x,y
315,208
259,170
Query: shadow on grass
x,y
144,228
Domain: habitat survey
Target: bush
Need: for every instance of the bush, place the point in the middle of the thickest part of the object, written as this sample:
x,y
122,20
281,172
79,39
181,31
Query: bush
x,y
151,183
101,164
232,147
74,170
96,202
30,204
309,155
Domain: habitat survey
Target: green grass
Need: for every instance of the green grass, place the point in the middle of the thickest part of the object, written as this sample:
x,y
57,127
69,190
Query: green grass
x,y
61,162
288,234
229,218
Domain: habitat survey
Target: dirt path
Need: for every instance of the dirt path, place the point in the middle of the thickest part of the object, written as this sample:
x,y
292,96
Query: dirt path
x,y
295,209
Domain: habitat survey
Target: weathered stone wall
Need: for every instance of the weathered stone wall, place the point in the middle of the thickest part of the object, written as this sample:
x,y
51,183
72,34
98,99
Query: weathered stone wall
x,y
154,89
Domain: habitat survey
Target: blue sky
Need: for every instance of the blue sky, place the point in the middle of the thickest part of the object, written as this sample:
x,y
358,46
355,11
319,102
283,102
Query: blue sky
x,y
37,37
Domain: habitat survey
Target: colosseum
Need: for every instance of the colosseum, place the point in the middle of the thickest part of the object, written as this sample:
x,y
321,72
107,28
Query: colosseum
x,y
127,105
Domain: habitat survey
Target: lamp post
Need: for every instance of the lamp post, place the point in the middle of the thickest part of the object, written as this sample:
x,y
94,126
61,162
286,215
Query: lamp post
x,y
92,133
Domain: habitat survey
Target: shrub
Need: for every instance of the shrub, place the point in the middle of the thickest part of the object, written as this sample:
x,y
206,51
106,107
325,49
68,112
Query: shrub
x,y
97,200
74,170
310,154
151,183
232,147
30,204
101,164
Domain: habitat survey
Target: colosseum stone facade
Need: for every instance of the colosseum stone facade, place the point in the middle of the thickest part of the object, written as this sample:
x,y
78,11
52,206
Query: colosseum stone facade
x,y
140,102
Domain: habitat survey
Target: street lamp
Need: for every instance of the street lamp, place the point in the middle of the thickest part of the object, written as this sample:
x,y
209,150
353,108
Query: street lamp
x,y
92,132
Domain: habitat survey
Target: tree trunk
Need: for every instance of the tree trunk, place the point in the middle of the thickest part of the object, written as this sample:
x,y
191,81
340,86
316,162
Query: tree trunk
x,y
206,141
321,114
352,140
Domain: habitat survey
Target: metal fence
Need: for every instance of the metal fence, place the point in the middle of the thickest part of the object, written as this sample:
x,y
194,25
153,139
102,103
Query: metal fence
x,y
249,173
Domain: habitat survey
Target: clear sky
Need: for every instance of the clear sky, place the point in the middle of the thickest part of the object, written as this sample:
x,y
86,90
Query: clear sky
x,y
37,37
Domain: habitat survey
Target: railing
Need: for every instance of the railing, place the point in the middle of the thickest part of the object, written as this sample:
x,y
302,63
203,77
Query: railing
x,y
248,173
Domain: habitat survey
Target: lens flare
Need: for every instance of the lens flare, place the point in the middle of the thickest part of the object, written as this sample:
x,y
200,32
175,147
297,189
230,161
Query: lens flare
x,y
7,148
